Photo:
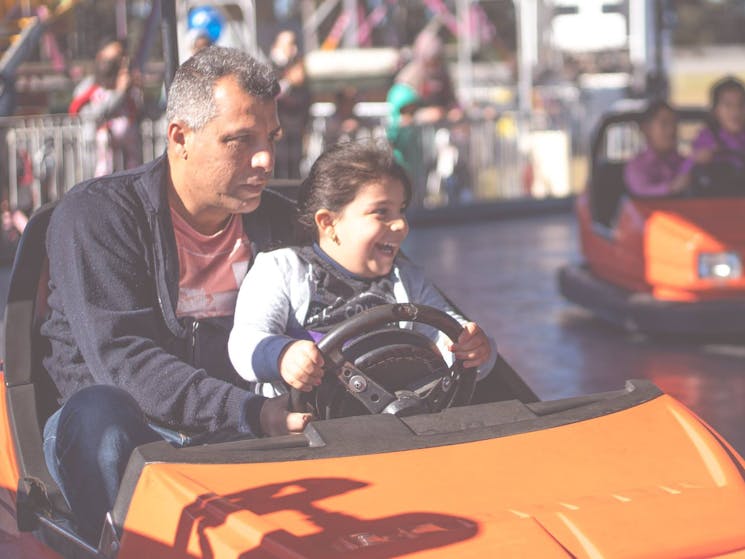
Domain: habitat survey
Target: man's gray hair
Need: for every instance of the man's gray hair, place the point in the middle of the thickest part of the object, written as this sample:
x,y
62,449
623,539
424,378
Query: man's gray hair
x,y
191,95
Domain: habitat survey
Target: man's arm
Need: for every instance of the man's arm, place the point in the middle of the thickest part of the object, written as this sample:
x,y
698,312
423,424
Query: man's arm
x,y
105,287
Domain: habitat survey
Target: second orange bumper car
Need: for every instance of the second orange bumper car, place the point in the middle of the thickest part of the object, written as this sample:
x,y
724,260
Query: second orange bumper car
x,y
663,265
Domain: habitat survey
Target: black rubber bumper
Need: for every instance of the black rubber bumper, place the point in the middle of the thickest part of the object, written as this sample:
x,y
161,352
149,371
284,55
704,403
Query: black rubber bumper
x,y
643,313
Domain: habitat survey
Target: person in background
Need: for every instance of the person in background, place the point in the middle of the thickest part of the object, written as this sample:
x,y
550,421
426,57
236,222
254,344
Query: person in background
x,y
423,95
144,269
352,207
110,102
403,102
344,124
428,76
293,103
659,169
13,224
722,143
200,41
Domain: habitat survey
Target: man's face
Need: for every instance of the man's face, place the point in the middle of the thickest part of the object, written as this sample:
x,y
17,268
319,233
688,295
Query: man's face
x,y
229,161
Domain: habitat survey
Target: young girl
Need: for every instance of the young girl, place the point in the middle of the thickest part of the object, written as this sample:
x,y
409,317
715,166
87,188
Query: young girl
x,y
724,141
658,170
352,206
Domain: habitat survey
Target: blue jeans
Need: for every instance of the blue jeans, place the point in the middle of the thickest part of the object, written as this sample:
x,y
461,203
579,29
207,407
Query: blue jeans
x,y
87,444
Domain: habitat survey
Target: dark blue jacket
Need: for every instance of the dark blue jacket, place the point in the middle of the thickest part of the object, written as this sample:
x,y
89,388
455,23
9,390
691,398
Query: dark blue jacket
x,y
114,276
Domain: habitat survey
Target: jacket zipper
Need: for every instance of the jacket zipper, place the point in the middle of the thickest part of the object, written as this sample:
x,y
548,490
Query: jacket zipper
x,y
157,265
156,262
194,331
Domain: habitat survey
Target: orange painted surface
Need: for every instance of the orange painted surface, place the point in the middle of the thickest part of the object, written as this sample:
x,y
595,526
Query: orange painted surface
x,y
8,467
620,258
13,544
648,481
655,244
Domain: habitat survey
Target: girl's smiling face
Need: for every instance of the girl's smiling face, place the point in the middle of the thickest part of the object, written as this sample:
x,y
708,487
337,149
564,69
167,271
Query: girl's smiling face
x,y
365,236
730,110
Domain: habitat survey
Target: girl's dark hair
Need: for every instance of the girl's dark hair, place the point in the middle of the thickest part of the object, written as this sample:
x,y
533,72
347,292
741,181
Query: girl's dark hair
x,y
653,108
339,173
728,83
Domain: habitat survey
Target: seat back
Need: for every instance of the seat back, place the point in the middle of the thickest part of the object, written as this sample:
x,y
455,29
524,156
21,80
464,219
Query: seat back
x,y
31,394
608,186
25,311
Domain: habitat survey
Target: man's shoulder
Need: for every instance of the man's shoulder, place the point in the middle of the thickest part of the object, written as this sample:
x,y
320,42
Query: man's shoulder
x,y
102,197
98,194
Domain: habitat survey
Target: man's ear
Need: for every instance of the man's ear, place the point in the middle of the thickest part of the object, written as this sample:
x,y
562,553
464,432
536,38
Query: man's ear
x,y
325,220
177,134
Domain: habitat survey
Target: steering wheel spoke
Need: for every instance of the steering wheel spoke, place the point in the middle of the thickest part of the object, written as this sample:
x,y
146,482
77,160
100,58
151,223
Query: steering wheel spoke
x,y
363,388
443,392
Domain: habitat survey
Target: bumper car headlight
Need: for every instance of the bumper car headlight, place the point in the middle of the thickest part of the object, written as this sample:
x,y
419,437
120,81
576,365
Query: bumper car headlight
x,y
719,265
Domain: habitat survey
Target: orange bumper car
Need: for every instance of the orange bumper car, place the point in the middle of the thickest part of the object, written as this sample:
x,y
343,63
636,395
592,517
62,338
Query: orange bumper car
x,y
484,472
664,266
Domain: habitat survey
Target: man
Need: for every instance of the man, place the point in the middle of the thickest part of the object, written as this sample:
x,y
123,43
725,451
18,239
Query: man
x,y
144,271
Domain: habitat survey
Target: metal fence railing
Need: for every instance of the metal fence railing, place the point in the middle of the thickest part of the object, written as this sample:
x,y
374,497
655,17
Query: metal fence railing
x,y
46,155
34,148
486,158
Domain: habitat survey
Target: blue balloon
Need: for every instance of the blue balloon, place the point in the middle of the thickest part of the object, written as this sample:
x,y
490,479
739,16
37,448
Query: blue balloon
x,y
207,19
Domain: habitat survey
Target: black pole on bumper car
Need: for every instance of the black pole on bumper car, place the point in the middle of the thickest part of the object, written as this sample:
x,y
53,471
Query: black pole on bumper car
x,y
170,39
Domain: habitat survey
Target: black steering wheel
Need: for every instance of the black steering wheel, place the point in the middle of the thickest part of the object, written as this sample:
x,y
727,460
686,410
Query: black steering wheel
x,y
371,368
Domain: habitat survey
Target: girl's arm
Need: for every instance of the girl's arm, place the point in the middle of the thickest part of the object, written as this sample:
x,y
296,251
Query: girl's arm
x,y
422,291
262,311
703,149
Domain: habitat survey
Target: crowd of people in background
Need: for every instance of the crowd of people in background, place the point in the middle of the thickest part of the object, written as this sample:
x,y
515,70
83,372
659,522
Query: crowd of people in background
x,y
111,102
115,286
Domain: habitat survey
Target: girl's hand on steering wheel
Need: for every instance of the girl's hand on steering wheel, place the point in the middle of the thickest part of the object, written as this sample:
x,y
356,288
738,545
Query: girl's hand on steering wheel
x,y
301,365
472,346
